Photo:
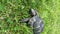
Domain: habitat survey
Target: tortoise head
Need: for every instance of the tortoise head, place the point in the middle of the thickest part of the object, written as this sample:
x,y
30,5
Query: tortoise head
x,y
32,12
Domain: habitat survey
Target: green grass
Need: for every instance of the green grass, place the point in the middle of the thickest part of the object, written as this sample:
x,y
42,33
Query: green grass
x,y
13,10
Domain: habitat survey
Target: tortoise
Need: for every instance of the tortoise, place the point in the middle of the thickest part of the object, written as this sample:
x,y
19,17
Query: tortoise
x,y
35,22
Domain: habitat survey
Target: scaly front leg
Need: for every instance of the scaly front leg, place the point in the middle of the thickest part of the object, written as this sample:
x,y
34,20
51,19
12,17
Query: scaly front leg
x,y
24,20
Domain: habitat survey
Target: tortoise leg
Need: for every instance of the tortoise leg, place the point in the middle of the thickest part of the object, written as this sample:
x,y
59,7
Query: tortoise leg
x,y
24,20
